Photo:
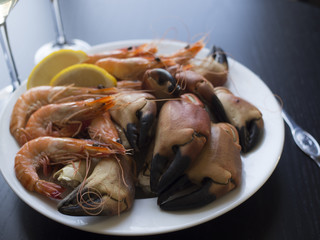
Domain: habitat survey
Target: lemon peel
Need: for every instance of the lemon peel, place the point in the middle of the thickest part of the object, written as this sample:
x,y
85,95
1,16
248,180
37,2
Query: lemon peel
x,y
84,75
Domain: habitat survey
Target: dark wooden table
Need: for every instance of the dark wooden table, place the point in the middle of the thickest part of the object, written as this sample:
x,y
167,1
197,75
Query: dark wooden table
x,y
278,40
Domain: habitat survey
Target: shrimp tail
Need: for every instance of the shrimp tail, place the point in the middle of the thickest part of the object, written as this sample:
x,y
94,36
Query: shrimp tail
x,y
49,189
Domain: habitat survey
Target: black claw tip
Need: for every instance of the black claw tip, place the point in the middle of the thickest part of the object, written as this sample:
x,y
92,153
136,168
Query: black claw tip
x,y
80,204
175,170
190,198
132,135
162,77
219,55
218,110
146,122
158,166
249,136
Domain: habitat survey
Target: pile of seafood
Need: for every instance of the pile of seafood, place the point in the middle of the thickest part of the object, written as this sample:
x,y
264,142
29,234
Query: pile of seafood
x,y
170,130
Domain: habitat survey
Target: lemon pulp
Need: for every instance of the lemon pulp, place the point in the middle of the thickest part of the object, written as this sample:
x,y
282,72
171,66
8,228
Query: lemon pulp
x,y
84,75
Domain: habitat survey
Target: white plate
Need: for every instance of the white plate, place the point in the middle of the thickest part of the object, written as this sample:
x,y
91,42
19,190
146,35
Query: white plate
x,y
146,218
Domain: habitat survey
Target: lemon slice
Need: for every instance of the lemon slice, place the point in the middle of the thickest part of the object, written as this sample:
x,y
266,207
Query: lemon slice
x,y
84,75
46,69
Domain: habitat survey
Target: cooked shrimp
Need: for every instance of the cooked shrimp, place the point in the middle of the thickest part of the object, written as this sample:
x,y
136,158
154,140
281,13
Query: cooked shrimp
x,y
134,68
64,119
102,129
147,50
44,151
37,97
129,84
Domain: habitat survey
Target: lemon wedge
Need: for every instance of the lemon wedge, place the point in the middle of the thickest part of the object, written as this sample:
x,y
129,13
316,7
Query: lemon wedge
x,y
48,67
84,75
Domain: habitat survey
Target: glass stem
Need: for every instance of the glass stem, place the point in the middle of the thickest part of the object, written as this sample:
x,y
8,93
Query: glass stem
x,y
61,38
4,41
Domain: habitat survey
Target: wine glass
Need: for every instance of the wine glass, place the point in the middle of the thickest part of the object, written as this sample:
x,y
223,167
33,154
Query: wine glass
x,y
5,8
61,42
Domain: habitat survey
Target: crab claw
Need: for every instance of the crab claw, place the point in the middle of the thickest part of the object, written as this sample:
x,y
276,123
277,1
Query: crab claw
x,y
143,177
161,82
219,56
176,81
200,86
179,138
214,67
135,113
244,116
216,171
108,191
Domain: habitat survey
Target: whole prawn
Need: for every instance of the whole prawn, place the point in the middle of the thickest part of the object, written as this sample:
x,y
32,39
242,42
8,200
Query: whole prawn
x,y
36,97
147,49
134,67
65,119
44,151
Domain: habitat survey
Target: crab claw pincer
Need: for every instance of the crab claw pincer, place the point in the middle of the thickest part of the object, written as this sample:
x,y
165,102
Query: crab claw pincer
x,y
135,112
214,67
216,171
161,83
182,131
244,116
108,191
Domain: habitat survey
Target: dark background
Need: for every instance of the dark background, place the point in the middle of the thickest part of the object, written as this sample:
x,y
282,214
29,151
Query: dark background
x,y
277,39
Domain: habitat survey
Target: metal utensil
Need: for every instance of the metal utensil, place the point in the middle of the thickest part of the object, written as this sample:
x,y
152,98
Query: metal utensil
x,y
304,140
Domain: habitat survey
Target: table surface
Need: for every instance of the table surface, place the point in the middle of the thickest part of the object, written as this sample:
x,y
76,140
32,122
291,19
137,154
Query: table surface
x,y
277,40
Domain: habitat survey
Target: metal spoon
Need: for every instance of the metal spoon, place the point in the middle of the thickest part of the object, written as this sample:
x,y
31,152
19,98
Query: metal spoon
x,y
304,140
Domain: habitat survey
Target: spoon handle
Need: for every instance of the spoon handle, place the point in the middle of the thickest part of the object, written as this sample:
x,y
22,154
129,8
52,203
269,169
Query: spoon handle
x,y
304,140
291,123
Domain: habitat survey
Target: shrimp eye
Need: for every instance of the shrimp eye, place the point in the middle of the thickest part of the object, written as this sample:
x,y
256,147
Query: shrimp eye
x,y
157,59
130,48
